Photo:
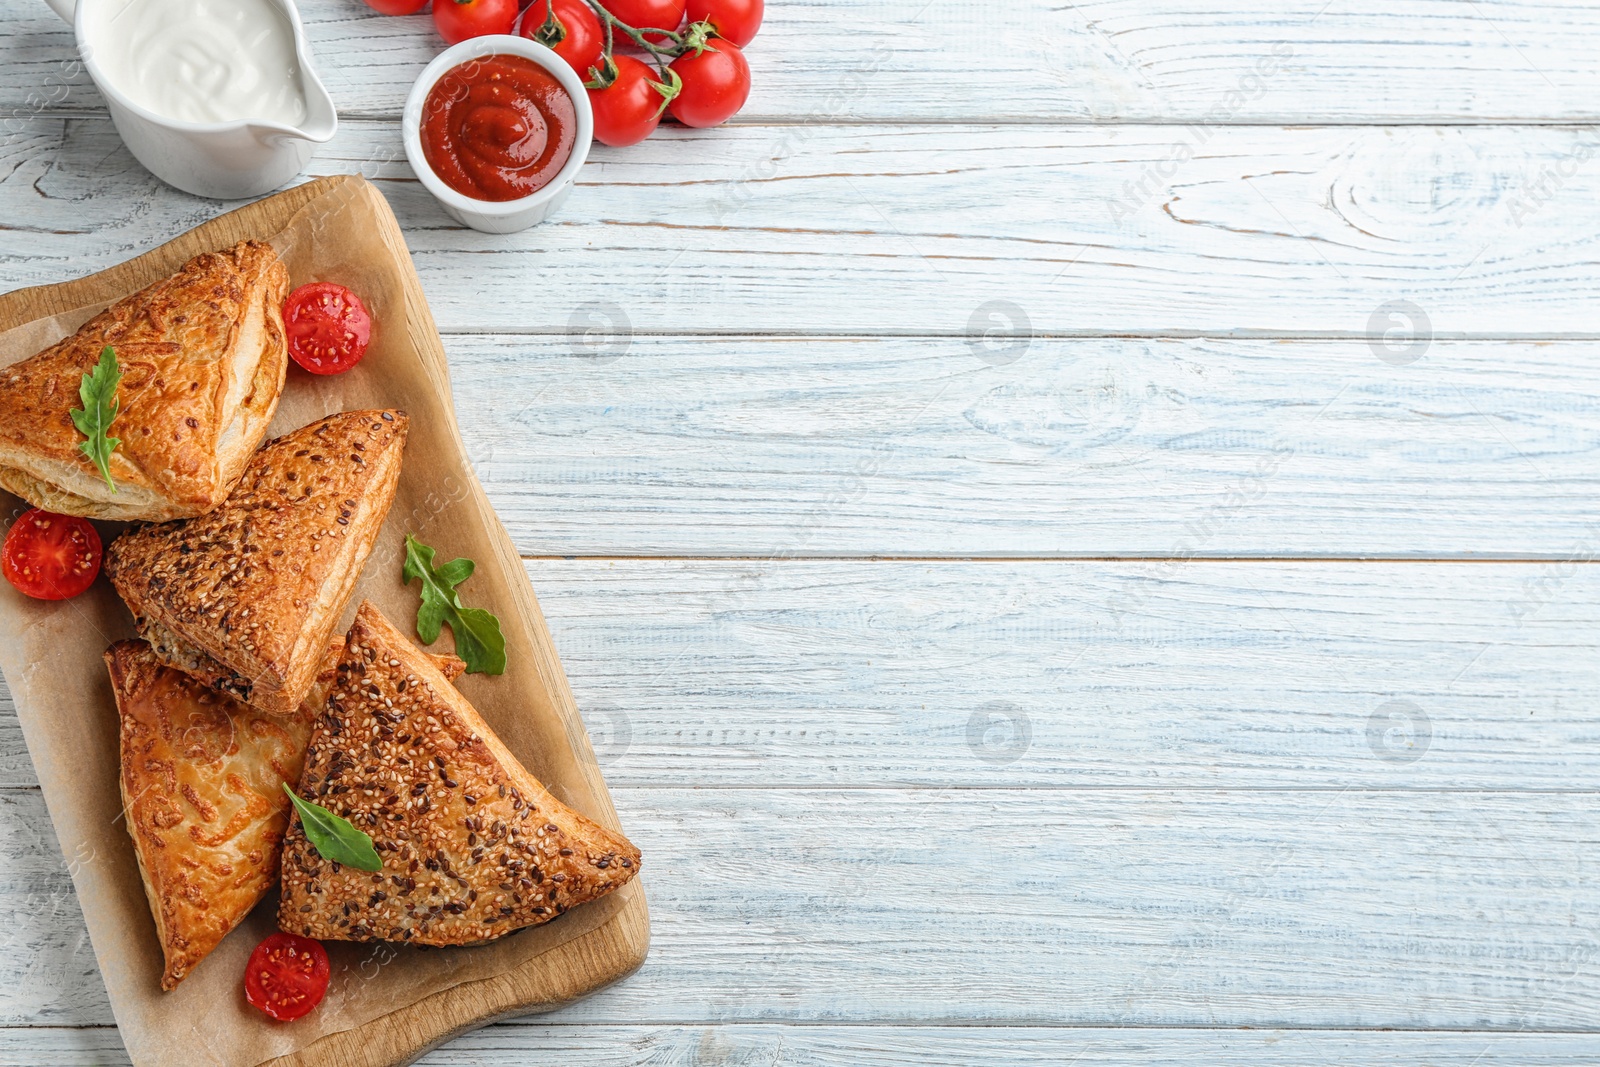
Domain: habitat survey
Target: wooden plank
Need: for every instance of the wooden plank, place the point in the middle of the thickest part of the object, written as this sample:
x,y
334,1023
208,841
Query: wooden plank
x,y
999,907
875,1046
998,232
1151,60
53,978
955,674
1077,675
909,447
16,769
517,1044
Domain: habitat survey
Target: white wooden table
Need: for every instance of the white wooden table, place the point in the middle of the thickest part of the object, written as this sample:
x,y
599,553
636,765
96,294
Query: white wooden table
x,y
1075,547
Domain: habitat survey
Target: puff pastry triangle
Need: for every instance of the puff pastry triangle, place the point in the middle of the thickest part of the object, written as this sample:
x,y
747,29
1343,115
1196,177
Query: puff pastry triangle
x,y
246,596
202,778
473,846
202,355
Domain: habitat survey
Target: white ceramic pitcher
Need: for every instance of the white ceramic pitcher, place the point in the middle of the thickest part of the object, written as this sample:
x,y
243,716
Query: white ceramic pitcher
x,y
225,160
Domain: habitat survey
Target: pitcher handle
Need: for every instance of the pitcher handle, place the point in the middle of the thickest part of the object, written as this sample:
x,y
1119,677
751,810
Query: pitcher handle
x,y
65,8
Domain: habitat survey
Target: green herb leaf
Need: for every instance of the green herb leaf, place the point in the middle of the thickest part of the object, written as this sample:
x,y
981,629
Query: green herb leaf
x,y
477,632
98,392
333,837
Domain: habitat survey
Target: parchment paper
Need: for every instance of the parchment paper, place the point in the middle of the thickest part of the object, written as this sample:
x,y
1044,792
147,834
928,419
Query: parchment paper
x,y
51,657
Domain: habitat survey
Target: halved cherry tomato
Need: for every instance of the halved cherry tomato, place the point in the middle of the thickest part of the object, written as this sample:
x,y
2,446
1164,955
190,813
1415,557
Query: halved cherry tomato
x,y
585,37
287,975
733,20
328,327
397,7
459,20
716,83
627,110
50,556
646,14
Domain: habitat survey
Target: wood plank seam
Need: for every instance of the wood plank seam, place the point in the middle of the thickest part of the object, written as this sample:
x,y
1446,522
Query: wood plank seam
x,y
375,117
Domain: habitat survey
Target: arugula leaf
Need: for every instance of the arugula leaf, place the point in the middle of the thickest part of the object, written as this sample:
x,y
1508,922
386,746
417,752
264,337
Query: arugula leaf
x,y
477,632
333,837
98,392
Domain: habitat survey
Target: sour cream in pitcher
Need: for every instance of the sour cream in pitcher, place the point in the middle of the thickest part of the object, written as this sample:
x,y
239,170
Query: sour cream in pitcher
x,y
202,61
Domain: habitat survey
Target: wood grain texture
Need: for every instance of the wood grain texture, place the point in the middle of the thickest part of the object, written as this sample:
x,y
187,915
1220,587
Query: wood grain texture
x,y
975,675
804,447
999,907
516,1044
1065,676
1025,60
1073,230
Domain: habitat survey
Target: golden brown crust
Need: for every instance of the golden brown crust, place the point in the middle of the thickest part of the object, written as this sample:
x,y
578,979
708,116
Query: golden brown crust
x,y
202,788
473,847
203,358
256,587
450,665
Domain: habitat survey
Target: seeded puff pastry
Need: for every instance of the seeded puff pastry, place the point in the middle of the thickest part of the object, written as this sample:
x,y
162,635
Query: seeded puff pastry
x,y
202,356
473,847
202,779
246,596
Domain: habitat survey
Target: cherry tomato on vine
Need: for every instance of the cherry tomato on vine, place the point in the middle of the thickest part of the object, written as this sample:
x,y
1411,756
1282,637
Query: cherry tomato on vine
x,y
716,83
49,556
734,20
287,974
645,14
585,37
629,109
459,20
397,7
328,326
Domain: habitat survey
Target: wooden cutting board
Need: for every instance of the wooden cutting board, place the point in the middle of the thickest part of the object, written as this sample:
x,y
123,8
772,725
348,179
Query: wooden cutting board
x,y
557,975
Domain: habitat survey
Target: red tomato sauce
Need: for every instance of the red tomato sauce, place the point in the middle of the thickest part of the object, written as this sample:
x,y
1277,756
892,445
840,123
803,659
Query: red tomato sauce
x,y
498,128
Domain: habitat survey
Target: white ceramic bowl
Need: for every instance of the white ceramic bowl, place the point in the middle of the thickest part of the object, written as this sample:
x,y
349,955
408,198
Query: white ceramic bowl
x,y
498,216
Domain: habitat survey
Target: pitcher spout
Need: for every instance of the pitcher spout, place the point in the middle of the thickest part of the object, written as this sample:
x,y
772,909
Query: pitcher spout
x,y
322,119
